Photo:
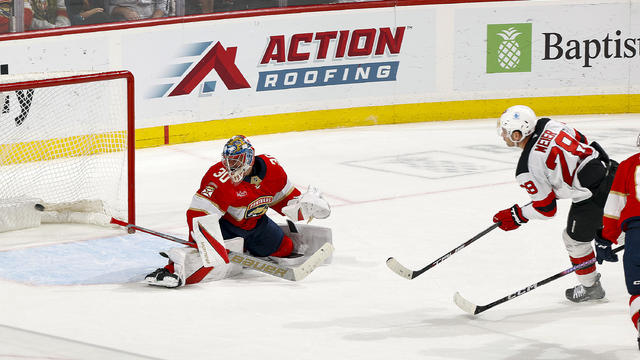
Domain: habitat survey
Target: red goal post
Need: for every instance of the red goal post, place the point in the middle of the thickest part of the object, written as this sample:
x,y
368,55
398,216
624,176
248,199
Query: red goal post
x,y
68,139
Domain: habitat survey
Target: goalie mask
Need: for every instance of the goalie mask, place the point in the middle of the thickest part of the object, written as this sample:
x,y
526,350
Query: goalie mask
x,y
517,118
238,158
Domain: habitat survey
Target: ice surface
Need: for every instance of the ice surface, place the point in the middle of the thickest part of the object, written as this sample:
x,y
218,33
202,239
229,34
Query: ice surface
x,y
412,191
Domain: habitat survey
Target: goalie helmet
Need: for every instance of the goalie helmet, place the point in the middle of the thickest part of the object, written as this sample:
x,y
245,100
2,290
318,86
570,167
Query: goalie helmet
x,y
238,157
517,118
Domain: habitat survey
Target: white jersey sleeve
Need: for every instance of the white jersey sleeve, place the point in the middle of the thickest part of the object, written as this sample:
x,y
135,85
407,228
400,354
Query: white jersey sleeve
x,y
549,166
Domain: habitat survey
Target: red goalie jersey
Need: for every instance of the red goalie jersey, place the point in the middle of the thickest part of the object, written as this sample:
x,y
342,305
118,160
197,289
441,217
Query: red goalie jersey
x,y
623,203
267,186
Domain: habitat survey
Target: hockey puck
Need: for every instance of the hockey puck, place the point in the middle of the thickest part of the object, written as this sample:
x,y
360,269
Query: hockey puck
x,y
39,207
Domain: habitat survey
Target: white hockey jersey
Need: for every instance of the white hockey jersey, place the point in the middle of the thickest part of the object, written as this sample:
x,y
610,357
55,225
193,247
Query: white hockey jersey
x,y
549,165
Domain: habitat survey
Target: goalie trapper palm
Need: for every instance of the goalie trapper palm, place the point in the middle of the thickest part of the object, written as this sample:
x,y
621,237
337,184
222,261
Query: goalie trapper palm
x,y
308,206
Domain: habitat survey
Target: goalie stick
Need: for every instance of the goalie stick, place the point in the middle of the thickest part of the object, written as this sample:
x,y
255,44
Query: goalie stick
x,y
474,309
292,273
405,272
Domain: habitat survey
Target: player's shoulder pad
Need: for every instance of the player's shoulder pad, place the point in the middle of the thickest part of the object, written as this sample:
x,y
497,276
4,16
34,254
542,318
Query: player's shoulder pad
x,y
523,163
271,166
216,178
272,175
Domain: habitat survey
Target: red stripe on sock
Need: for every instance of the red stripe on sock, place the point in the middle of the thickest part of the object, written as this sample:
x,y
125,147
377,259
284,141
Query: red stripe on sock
x,y
285,249
589,269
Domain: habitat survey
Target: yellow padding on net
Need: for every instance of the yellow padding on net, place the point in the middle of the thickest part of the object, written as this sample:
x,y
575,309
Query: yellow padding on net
x,y
50,149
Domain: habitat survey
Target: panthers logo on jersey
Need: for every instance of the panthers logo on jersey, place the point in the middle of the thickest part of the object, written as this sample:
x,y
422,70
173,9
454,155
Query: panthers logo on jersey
x,y
209,189
258,206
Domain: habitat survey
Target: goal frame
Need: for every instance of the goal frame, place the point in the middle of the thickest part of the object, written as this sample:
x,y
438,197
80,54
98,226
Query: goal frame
x,y
96,77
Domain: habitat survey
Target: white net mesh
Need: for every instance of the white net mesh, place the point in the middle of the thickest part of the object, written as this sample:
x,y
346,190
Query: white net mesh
x,y
65,143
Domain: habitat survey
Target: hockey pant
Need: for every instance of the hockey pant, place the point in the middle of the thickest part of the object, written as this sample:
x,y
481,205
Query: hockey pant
x,y
585,217
266,239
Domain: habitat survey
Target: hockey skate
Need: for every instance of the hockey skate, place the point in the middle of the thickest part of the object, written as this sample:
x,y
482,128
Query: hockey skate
x,y
582,293
163,277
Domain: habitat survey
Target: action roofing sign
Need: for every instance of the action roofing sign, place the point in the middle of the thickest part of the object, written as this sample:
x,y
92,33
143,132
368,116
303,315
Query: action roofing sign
x,y
365,45
373,49
190,74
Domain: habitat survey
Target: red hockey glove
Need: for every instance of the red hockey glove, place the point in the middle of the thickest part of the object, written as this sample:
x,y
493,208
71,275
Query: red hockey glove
x,y
510,218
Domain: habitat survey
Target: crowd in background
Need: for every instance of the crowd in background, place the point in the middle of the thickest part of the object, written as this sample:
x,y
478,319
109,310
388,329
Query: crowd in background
x,y
48,14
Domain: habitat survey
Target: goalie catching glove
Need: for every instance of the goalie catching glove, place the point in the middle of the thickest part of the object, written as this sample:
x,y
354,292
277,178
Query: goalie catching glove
x,y
307,206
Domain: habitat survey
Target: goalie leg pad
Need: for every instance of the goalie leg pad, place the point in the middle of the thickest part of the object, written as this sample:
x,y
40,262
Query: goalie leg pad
x,y
189,268
208,237
308,238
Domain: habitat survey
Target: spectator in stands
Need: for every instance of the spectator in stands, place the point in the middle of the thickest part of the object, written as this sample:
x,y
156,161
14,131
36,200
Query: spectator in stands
x,y
198,7
126,10
86,12
45,14
233,5
5,15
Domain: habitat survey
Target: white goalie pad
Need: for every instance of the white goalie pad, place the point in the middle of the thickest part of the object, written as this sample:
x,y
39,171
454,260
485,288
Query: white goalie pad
x,y
307,206
307,239
187,261
207,234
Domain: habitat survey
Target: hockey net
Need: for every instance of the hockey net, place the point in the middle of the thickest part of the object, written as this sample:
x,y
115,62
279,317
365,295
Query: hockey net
x,y
66,142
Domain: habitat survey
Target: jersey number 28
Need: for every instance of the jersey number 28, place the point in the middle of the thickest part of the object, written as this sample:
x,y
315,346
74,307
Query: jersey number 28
x,y
570,145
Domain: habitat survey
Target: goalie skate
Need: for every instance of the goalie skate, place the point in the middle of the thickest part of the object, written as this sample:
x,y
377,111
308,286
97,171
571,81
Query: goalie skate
x,y
163,277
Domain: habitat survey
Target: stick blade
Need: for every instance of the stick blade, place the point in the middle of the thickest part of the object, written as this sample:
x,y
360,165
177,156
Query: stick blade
x,y
465,304
300,272
399,269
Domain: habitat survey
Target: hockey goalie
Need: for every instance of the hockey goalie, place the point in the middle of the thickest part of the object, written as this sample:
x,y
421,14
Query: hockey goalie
x,y
228,212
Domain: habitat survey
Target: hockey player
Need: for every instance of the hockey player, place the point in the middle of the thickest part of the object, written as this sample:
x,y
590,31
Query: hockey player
x,y
622,213
230,206
557,162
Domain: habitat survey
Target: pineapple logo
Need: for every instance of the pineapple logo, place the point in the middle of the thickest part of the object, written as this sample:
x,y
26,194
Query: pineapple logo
x,y
508,48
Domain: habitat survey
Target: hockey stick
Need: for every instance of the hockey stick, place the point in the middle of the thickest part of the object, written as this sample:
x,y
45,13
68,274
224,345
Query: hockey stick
x,y
405,272
474,309
294,273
